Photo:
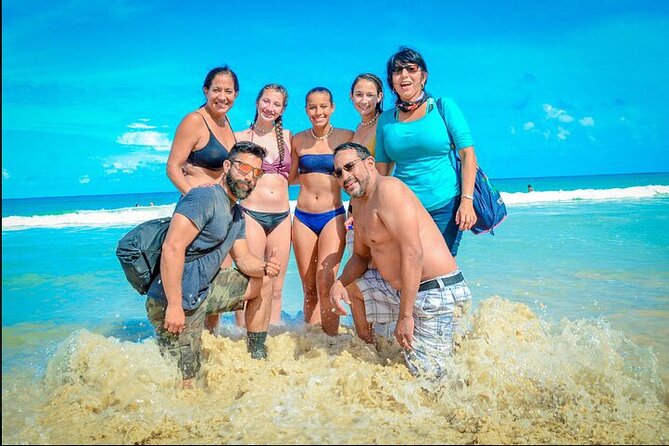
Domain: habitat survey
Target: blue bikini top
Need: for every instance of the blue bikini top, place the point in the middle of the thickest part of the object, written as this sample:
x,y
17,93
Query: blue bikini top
x,y
319,163
212,155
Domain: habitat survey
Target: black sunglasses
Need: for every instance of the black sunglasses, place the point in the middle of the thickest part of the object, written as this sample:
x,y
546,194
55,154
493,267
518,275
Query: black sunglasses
x,y
347,167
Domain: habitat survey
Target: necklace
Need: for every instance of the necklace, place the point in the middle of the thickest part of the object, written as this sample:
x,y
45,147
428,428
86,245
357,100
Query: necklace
x,y
324,137
261,131
371,121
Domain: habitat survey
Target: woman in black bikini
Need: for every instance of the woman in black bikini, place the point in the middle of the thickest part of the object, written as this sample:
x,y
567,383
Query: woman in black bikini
x,y
202,142
267,209
204,137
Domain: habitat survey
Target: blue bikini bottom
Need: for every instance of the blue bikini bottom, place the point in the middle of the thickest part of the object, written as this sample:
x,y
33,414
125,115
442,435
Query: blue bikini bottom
x,y
316,222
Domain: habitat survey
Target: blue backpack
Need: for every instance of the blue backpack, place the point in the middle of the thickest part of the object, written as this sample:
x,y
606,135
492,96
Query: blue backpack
x,y
488,204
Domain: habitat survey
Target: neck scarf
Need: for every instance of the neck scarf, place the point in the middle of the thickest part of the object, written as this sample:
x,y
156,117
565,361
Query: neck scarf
x,y
407,106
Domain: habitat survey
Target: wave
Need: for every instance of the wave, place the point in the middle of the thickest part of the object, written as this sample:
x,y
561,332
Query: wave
x,y
584,194
130,216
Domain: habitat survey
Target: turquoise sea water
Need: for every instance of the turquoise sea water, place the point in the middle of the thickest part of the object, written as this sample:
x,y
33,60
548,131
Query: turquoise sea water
x,y
588,250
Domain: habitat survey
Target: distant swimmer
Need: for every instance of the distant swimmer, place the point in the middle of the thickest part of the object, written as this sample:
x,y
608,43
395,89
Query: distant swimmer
x,y
530,188
415,283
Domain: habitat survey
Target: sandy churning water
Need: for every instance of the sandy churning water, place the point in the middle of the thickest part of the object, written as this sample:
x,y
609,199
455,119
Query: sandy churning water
x,y
515,378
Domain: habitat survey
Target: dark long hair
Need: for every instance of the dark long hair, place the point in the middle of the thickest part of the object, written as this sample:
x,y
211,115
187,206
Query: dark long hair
x,y
215,72
379,87
403,57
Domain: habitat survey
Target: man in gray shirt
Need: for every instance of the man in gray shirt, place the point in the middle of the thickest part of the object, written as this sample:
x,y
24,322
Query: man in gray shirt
x,y
208,220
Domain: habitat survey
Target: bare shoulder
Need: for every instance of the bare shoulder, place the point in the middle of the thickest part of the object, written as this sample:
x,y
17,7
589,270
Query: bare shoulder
x,y
243,135
389,186
299,139
343,135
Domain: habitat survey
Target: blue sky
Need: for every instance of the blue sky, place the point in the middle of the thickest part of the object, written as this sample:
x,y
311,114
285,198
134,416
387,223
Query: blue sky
x,y
92,91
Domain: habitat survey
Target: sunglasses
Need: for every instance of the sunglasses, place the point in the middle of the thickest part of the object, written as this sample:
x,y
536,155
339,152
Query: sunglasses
x,y
411,69
246,168
338,173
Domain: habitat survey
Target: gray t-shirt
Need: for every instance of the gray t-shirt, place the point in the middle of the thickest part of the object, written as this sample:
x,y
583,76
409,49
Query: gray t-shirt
x,y
209,208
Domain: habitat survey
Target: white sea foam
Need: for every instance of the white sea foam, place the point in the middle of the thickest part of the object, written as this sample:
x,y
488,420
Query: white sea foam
x,y
94,218
584,194
133,216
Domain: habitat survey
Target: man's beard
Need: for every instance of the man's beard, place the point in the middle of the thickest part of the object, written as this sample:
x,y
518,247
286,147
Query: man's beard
x,y
362,187
237,191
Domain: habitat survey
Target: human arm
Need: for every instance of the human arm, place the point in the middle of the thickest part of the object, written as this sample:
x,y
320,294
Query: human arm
x,y
465,216
252,265
293,177
354,268
180,235
383,162
402,225
185,140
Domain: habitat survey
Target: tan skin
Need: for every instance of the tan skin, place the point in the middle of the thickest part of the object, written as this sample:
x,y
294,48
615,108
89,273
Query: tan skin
x,y
192,134
365,96
409,84
318,256
270,195
180,235
393,228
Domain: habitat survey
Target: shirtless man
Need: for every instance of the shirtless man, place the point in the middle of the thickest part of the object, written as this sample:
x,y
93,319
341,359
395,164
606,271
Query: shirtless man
x,y
416,282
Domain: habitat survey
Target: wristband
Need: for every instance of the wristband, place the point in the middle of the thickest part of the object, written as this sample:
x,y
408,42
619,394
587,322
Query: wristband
x,y
467,196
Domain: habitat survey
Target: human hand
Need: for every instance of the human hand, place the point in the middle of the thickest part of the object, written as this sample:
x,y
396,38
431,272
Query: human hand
x,y
272,266
465,218
348,224
339,293
175,319
404,331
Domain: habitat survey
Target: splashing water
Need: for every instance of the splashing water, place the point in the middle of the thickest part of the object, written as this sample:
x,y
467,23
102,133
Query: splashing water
x,y
515,378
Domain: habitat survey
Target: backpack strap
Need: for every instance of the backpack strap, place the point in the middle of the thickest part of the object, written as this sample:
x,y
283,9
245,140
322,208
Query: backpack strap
x,y
453,154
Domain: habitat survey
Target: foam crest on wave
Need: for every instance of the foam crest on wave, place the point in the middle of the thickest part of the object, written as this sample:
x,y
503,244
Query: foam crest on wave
x,y
584,194
96,218
132,215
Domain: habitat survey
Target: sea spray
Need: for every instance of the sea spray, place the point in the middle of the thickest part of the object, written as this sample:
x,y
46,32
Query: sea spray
x,y
515,378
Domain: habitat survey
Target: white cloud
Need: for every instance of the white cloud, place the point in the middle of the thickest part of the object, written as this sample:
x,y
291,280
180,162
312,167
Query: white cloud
x,y
85,179
554,112
157,140
131,162
587,121
562,133
139,125
529,125
5,174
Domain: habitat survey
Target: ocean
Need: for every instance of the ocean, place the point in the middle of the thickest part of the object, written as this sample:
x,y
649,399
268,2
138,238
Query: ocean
x,y
567,340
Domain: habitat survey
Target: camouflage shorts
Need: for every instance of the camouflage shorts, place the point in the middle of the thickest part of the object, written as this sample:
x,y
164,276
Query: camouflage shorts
x,y
226,293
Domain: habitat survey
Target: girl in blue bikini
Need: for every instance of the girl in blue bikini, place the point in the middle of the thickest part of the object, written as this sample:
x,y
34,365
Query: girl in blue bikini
x,y
318,228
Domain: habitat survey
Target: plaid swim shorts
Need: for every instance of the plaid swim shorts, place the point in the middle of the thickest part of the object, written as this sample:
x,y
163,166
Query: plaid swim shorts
x,y
433,314
226,293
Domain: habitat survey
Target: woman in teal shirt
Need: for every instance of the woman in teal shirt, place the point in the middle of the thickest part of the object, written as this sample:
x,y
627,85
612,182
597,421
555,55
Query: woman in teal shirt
x,y
414,138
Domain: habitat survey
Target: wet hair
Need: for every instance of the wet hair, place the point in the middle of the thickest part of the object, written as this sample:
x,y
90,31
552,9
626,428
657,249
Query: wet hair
x,y
362,151
318,90
379,87
403,57
281,144
246,147
220,70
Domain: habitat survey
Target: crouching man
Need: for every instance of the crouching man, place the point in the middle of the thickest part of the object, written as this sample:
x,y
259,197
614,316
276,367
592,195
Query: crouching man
x,y
191,286
415,281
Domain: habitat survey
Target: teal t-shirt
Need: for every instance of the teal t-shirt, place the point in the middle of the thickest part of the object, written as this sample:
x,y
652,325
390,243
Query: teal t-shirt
x,y
420,149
